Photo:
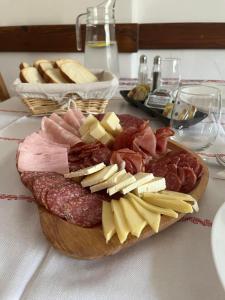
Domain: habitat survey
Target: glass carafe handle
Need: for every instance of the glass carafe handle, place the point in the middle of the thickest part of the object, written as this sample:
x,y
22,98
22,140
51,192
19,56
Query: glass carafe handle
x,y
78,31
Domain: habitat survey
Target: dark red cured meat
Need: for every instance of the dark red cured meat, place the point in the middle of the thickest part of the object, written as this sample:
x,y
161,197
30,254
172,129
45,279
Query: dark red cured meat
x,y
28,178
189,181
102,155
173,182
159,169
85,211
172,168
181,175
58,196
44,181
162,136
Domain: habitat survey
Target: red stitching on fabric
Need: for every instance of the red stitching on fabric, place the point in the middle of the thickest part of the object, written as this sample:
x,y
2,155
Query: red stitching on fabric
x,y
210,154
3,138
197,221
15,197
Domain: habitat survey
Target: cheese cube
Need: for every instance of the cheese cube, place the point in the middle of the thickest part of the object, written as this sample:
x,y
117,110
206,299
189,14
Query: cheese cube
x,y
84,128
107,139
122,228
85,171
155,185
111,123
135,222
97,131
125,181
108,183
141,178
108,224
87,138
99,176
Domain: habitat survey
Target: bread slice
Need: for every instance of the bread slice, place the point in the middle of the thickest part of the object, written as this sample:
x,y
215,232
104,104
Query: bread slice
x,y
23,65
75,72
31,75
37,62
45,65
54,76
59,62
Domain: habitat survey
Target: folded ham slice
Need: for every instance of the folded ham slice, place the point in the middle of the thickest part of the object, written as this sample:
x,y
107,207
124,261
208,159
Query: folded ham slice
x,y
71,119
56,118
133,160
54,132
79,115
44,162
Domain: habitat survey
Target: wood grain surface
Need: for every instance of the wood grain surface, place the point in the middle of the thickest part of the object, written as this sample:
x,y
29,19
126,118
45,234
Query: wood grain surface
x,y
59,38
89,243
4,94
130,36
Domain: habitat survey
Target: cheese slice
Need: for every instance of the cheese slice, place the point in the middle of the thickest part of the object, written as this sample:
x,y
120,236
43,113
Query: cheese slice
x,y
97,131
108,183
122,228
166,201
86,171
108,224
163,211
141,178
184,197
155,185
99,176
152,218
111,123
107,139
135,222
84,128
125,181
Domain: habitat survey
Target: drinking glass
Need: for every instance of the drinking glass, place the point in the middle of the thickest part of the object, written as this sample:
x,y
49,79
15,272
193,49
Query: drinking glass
x,y
195,116
170,74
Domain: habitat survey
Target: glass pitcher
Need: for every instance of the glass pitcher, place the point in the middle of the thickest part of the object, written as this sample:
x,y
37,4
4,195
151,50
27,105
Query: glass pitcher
x,y
101,50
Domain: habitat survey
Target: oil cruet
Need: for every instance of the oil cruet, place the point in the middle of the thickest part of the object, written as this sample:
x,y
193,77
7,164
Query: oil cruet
x,y
101,50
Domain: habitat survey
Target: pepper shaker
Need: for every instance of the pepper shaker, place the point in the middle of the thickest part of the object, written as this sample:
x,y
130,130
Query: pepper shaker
x,y
156,73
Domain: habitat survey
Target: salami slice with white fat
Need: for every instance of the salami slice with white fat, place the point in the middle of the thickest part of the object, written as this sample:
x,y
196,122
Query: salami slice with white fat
x,y
173,182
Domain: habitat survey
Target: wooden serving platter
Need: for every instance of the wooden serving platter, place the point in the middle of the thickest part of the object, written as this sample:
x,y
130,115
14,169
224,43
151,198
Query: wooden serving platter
x,y
89,243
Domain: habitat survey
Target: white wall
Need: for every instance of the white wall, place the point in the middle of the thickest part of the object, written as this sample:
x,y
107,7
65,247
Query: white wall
x,y
201,64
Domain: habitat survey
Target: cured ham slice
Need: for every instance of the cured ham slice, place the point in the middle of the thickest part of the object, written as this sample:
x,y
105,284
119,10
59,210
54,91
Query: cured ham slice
x,y
56,118
162,136
71,119
79,115
44,162
54,132
133,160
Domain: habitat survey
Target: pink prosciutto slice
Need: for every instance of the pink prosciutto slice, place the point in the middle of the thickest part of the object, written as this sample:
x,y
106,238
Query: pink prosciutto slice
x,y
54,132
44,162
79,115
162,135
71,119
56,118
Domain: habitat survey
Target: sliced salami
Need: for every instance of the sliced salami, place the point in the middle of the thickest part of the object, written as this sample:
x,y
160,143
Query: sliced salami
x,y
189,181
28,178
173,182
159,169
85,211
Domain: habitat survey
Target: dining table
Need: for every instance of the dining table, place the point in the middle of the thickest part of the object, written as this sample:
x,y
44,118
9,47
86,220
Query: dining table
x,y
175,264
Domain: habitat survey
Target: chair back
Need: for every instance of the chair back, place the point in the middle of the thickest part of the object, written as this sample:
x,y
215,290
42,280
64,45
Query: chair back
x,y
4,94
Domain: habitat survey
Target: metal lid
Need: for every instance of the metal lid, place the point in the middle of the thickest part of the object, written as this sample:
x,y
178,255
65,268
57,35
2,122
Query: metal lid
x,y
157,60
143,59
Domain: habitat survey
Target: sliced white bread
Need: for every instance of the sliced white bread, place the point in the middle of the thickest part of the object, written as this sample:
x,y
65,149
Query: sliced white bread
x,y
43,66
23,65
31,75
75,72
37,62
59,62
54,76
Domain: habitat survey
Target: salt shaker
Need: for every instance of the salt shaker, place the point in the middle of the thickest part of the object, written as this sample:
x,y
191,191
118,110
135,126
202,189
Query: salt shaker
x,y
156,73
143,70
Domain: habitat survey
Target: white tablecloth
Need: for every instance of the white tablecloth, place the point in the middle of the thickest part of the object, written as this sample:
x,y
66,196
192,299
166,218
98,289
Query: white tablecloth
x,y
175,264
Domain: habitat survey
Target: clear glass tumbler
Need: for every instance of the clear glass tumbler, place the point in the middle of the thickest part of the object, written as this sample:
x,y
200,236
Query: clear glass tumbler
x,y
195,116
